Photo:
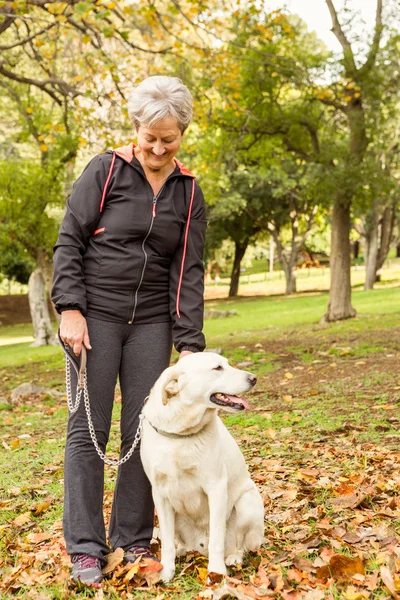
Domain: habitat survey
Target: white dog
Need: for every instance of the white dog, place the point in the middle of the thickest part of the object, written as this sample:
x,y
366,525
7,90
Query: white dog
x,y
202,490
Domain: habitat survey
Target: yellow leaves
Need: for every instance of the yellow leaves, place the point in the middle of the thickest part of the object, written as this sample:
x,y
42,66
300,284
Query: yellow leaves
x,y
29,110
43,148
289,375
353,593
132,572
77,78
15,444
56,8
111,5
348,98
287,398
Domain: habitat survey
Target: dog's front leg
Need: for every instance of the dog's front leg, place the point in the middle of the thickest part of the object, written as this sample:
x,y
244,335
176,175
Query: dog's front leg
x,y
166,519
217,500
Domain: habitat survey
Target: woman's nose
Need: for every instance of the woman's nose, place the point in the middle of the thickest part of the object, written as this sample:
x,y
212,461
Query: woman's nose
x,y
158,148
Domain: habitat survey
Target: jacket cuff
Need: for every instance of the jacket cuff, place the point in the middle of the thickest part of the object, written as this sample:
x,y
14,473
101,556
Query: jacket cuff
x,y
188,348
61,309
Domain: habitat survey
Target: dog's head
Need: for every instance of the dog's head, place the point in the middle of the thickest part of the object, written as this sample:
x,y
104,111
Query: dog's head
x,y
206,378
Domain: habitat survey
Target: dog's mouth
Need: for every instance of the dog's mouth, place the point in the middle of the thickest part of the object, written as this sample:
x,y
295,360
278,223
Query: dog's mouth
x,y
228,401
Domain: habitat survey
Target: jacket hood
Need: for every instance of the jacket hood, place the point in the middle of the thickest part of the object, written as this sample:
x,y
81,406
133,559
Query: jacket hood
x,y
127,154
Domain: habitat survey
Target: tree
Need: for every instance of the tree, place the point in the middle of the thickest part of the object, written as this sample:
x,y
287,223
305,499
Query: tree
x,y
349,100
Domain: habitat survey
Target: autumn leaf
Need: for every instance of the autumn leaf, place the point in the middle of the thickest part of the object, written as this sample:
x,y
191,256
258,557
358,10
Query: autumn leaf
x,y
341,567
22,519
113,560
388,580
40,508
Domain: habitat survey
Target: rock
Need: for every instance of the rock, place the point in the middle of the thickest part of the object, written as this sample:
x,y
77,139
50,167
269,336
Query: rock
x,y
215,350
212,313
26,389
5,403
244,364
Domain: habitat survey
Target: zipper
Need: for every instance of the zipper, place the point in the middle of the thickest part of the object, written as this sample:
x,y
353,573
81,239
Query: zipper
x,y
153,216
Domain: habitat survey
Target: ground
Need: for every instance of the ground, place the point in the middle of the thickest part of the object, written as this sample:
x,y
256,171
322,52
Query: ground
x,y
321,440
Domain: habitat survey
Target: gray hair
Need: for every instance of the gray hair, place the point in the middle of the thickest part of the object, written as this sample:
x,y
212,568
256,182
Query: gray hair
x,y
158,97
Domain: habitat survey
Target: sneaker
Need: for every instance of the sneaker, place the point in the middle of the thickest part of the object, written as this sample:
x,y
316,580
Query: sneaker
x,y
135,552
86,569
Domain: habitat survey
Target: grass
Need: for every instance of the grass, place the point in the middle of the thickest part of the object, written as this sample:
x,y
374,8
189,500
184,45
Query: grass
x,y
327,400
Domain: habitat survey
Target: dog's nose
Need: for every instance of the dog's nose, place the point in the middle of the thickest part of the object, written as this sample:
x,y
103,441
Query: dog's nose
x,y
252,379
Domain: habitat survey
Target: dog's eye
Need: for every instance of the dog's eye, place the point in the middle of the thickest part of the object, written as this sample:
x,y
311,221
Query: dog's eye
x,y
219,368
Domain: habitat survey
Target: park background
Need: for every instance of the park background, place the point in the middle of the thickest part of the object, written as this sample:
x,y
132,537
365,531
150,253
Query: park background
x,y
295,142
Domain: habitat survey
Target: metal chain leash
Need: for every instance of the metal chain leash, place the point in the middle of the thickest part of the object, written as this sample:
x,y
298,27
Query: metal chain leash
x,y
73,407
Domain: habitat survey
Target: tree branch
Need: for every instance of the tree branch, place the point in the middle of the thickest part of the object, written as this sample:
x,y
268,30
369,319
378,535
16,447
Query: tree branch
x,y
349,61
27,39
369,63
36,82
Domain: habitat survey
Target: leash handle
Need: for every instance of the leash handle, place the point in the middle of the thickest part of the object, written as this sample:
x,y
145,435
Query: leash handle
x,y
82,368
78,363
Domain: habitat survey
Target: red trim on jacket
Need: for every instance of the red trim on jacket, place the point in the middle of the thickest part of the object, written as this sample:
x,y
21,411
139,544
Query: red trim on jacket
x,y
103,197
127,153
99,230
178,294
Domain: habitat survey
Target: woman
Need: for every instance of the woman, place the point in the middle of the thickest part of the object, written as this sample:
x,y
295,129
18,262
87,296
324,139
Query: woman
x,y
128,281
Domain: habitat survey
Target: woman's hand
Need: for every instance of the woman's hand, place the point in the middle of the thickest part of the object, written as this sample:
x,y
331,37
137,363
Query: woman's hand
x,y
184,353
74,331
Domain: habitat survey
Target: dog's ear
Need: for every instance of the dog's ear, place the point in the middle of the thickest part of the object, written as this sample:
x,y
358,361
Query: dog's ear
x,y
171,386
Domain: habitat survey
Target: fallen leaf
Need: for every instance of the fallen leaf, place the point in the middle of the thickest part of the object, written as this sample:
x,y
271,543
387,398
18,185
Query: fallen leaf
x,y
341,567
40,508
15,444
388,580
113,560
22,519
148,565
353,593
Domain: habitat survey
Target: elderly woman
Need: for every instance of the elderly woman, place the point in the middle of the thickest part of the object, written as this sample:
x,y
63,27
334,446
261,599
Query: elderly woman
x,y
128,282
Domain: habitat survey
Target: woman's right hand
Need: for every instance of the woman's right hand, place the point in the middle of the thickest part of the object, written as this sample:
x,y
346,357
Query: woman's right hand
x,y
74,330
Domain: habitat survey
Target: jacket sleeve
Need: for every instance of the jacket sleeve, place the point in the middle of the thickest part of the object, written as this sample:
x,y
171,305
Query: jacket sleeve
x,y
79,223
188,324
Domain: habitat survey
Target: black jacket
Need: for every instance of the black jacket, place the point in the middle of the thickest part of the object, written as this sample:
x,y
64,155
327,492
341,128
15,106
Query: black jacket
x,y
126,256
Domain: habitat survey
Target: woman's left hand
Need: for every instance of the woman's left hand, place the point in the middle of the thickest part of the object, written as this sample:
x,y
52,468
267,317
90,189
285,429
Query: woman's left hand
x,y
184,353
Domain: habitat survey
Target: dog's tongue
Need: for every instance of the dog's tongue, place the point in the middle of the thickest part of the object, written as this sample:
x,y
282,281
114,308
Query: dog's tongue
x,y
238,400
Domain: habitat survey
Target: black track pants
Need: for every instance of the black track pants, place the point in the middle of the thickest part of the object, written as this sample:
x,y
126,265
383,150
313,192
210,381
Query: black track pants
x,y
137,354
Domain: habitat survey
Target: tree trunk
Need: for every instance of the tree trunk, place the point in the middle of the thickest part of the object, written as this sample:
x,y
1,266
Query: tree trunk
x,y
371,253
386,234
288,263
290,274
42,329
240,249
46,266
339,306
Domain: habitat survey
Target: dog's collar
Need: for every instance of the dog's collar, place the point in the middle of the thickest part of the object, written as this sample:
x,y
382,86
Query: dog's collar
x,y
178,436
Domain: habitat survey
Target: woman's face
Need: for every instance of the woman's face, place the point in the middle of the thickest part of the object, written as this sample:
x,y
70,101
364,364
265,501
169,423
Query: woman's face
x,y
159,143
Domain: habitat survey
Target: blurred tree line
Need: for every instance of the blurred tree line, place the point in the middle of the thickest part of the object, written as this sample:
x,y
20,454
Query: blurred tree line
x,y
287,136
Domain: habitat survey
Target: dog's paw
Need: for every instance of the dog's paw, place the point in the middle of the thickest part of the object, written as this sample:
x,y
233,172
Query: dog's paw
x,y
218,568
166,574
234,559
